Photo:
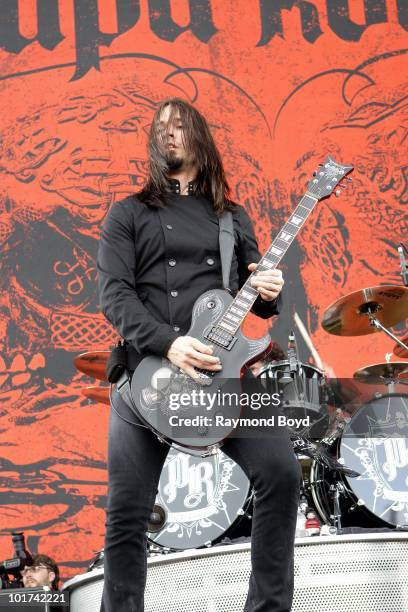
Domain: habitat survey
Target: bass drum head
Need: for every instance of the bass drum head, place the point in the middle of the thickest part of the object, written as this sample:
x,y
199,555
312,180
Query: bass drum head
x,y
375,444
202,499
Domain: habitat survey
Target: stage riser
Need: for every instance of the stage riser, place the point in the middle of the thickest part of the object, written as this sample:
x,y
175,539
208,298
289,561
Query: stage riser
x,y
347,574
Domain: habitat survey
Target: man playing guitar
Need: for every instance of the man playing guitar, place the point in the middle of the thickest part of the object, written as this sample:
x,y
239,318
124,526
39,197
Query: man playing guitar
x,y
159,251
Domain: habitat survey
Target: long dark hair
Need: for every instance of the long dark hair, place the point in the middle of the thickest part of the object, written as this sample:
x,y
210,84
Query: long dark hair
x,y
211,182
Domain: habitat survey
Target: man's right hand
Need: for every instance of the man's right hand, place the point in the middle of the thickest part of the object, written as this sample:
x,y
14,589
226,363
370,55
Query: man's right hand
x,y
188,353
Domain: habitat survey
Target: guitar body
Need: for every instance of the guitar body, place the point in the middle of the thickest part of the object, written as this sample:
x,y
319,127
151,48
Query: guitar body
x,y
156,380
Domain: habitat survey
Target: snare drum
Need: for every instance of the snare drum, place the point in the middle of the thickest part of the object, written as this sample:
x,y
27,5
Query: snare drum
x,y
303,390
203,500
375,444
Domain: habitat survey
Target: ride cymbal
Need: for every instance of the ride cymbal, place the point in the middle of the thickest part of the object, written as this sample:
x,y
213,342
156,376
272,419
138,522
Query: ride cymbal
x,y
93,363
97,394
348,316
389,371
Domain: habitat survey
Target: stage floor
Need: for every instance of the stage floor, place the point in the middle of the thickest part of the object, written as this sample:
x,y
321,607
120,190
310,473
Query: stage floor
x,y
365,572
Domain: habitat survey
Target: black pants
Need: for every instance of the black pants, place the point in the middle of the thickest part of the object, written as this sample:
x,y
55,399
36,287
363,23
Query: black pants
x,y
135,461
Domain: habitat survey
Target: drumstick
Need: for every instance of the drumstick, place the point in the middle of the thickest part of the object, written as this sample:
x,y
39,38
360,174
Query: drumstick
x,y
308,341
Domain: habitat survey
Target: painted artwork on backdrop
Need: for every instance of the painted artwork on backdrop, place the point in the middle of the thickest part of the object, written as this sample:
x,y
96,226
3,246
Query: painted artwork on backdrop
x,y
79,104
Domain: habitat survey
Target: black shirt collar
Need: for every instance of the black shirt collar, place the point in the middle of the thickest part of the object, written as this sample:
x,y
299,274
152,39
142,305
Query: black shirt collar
x,y
174,186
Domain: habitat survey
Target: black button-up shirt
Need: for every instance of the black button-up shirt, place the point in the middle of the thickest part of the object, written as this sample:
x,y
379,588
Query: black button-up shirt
x,y
153,263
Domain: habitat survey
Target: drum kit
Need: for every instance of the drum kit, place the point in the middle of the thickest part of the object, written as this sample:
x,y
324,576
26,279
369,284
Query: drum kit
x,y
355,462
373,438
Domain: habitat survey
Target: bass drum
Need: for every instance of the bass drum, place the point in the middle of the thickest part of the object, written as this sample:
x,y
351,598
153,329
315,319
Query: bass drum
x,y
375,444
200,500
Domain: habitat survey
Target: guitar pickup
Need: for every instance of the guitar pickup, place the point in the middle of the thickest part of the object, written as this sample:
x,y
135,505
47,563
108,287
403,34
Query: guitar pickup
x,y
221,337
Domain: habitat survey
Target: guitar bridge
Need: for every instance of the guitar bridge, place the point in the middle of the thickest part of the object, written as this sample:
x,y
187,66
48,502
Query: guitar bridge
x,y
205,376
221,337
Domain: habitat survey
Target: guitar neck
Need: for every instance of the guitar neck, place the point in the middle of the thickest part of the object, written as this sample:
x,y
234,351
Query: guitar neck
x,y
245,298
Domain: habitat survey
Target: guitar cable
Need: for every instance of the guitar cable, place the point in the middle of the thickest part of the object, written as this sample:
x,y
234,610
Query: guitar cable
x,y
119,415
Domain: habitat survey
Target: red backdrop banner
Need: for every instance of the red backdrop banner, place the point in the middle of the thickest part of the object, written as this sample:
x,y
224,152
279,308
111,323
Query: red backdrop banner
x,y
283,84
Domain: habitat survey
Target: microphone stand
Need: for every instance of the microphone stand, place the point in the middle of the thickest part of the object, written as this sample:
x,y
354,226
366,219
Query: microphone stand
x,y
293,353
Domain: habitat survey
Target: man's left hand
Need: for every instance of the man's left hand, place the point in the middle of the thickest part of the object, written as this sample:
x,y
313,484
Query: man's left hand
x,y
268,283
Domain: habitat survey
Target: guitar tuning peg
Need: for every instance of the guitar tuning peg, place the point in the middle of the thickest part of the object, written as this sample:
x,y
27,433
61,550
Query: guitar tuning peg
x,y
337,193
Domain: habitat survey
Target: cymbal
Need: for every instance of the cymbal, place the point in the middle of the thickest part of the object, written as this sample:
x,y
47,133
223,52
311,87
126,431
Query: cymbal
x,y
93,363
389,371
401,352
348,315
97,394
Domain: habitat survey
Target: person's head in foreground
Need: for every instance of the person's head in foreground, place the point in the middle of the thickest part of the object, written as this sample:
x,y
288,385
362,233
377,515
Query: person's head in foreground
x,y
42,571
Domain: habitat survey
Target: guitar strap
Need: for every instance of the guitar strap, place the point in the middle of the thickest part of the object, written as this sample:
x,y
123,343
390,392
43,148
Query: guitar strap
x,y
226,242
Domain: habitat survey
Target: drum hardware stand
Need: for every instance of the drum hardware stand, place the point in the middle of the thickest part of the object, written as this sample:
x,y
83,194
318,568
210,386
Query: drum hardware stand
x,y
320,453
390,384
328,441
371,308
336,490
153,550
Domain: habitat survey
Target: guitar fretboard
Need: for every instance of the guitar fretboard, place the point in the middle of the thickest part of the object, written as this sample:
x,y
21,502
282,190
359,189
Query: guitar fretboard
x,y
245,298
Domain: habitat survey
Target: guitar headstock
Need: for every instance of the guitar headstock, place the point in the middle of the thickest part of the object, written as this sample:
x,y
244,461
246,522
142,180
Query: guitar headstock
x,y
327,178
